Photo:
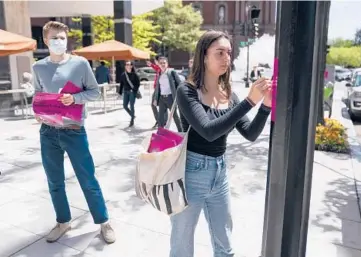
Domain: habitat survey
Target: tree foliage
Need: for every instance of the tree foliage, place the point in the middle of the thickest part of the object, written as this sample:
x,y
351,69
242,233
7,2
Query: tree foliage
x,y
144,32
345,56
340,42
358,37
346,52
180,25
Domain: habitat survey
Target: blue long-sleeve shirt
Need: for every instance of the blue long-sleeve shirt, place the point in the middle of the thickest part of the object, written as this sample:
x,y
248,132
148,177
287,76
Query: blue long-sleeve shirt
x,y
51,77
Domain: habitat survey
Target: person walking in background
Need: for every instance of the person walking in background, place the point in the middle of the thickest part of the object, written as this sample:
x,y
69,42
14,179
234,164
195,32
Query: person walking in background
x,y
211,110
157,69
50,75
187,71
129,86
28,86
165,91
255,74
102,73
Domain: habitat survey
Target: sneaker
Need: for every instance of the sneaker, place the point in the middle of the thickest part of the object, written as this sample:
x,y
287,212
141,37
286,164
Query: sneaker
x,y
57,232
107,233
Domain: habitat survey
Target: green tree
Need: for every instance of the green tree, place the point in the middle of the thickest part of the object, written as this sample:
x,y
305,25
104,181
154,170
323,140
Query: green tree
x,y
345,56
180,25
102,26
358,37
144,32
340,42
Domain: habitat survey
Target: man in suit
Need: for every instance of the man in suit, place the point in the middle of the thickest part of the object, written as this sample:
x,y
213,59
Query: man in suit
x,y
158,70
165,92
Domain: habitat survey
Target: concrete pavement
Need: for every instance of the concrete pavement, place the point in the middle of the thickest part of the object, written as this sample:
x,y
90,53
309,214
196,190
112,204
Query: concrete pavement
x,y
26,213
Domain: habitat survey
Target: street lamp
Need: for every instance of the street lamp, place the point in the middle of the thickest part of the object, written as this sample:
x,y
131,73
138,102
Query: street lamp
x,y
252,13
163,46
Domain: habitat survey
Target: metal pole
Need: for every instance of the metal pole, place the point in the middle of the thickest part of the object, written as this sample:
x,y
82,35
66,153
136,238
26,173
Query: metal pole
x,y
291,135
274,88
247,33
247,82
122,29
319,60
86,26
322,59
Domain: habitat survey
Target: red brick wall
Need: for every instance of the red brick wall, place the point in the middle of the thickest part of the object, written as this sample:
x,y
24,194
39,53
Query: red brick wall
x,y
209,12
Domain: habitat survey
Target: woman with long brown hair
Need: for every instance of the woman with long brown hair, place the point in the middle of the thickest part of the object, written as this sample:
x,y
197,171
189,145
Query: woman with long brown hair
x,y
208,105
129,86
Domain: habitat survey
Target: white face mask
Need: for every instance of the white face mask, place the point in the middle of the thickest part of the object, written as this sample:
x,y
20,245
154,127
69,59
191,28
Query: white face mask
x,y
58,46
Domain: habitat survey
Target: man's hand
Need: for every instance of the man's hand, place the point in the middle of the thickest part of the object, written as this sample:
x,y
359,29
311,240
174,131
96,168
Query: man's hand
x,y
38,119
149,63
67,99
155,103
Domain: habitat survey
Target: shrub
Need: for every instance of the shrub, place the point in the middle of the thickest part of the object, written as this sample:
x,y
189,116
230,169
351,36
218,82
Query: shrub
x,y
331,137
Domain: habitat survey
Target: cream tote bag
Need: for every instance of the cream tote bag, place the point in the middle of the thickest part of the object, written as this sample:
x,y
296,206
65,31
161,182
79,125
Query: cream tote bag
x,y
160,176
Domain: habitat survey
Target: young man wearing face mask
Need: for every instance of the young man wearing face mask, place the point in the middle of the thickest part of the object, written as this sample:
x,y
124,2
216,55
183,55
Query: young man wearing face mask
x,y
50,75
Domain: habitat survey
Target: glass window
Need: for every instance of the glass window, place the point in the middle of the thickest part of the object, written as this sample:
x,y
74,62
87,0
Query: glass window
x,y
357,81
221,14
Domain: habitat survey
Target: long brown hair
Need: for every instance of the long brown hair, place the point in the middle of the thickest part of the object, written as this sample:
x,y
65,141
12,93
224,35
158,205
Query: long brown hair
x,y
196,77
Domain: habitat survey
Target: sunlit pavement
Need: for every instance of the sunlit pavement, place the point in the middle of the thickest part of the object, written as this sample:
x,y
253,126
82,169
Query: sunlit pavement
x,y
26,213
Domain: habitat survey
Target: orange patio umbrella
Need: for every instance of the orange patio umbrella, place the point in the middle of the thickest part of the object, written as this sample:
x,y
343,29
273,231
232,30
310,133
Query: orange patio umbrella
x,y
11,43
111,50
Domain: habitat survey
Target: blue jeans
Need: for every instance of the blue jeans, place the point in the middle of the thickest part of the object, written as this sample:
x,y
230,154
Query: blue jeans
x,y
129,99
54,143
207,188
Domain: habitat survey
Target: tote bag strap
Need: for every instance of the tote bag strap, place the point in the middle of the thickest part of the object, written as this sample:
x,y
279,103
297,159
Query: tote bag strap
x,y
172,111
128,80
174,107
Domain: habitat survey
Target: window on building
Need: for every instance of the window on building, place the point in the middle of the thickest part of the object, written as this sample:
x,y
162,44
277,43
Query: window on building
x,y
222,14
197,7
37,34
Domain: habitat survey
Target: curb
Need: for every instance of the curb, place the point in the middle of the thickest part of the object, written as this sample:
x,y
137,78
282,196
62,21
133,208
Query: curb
x,y
341,114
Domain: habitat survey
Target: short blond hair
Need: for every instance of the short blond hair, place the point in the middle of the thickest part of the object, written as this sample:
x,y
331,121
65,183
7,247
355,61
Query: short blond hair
x,y
54,25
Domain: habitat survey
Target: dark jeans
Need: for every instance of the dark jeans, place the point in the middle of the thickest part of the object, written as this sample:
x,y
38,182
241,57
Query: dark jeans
x,y
129,99
155,111
165,103
54,143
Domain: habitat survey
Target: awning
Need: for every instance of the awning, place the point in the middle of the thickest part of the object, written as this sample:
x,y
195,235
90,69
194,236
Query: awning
x,y
11,43
111,49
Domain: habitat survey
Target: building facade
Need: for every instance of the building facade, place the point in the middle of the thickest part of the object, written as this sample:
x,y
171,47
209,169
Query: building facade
x,y
229,16
28,17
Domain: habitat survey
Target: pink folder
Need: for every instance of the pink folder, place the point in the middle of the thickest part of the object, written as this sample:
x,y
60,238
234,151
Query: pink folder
x,y
70,88
170,135
160,143
48,105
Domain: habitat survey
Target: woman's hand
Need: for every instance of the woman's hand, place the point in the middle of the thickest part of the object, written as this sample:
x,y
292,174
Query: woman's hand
x,y
267,101
258,90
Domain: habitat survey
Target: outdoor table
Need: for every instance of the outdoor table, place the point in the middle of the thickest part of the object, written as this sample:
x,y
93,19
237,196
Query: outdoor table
x,y
23,93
